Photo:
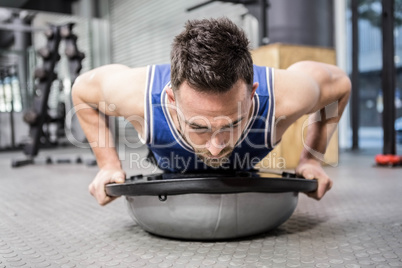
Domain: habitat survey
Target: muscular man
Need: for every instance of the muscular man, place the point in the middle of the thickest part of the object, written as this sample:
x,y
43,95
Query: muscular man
x,y
211,107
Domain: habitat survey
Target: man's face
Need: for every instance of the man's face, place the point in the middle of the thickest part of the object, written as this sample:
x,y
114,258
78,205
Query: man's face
x,y
213,123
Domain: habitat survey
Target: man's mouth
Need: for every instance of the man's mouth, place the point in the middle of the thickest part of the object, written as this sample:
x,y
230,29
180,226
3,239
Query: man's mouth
x,y
216,157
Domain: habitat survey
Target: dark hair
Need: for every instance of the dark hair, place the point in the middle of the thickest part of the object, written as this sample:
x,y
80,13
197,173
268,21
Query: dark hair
x,y
211,55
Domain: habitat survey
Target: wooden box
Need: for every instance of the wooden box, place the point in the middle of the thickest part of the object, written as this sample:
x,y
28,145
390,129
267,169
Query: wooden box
x,y
286,155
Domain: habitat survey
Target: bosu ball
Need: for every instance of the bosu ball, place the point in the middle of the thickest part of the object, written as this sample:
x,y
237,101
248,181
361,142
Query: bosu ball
x,y
211,206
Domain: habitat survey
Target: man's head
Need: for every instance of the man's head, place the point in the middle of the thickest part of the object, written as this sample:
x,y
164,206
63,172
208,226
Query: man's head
x,y
211,55
212,86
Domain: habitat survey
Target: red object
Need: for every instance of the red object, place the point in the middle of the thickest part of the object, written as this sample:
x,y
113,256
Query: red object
x,y
388,159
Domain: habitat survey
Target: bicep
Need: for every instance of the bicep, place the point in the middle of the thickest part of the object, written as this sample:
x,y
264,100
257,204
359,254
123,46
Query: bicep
x,y
332,83
307,87
88,87
112,89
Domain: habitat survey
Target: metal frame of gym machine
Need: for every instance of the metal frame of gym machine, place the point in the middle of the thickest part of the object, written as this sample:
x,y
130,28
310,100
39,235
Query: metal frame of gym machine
x,y
389,155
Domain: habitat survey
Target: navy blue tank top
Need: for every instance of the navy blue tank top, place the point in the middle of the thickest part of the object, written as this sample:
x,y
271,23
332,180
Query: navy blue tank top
x,y
171,150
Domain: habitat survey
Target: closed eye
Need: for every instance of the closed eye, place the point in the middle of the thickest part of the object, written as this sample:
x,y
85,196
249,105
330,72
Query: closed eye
x,y
200,129
230,126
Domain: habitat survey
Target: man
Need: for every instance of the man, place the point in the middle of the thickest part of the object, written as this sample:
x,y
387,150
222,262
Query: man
x,y
211,107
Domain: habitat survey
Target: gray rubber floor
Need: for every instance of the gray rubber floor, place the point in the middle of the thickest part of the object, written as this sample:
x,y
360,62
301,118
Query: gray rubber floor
x,y
48,219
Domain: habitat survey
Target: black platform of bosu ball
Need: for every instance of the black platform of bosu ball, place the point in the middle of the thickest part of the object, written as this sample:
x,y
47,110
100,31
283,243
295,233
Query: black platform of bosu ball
x,y
210,206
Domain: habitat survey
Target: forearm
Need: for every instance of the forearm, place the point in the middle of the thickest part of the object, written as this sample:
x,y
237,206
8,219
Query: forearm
x,y
319,133
97,131
323,123
98,134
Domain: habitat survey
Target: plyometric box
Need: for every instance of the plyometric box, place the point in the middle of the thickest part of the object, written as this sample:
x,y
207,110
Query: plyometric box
x,y
286,155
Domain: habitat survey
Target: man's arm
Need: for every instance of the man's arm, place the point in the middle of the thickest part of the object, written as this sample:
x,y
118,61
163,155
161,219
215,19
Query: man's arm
x,y
318,89
111,90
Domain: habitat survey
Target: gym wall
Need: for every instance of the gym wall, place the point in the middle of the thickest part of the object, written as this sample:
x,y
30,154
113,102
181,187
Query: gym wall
x,y
142,31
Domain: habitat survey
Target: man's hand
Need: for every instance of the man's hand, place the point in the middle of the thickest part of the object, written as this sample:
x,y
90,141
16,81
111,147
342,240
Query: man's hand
x,y
105,175
311,169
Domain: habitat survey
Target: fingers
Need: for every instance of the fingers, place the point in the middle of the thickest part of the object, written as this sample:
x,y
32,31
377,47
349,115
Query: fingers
x,y
324,185
316,172
117,177
98,186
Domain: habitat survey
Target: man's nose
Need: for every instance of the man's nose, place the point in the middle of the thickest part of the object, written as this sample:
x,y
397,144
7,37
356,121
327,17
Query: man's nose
x,y
216,144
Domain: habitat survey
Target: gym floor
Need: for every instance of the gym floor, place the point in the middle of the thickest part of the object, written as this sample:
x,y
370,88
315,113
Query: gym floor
x,y
48,219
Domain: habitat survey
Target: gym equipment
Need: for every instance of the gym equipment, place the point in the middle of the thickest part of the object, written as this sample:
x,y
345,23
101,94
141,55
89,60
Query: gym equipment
x,y
38,116
388,160
388,157
211,206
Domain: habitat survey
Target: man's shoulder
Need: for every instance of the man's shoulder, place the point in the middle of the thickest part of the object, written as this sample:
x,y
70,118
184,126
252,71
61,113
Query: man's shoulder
x,y
125,87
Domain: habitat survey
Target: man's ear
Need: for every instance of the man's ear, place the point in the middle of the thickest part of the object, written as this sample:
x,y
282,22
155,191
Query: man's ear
x,y
170,94
255,86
